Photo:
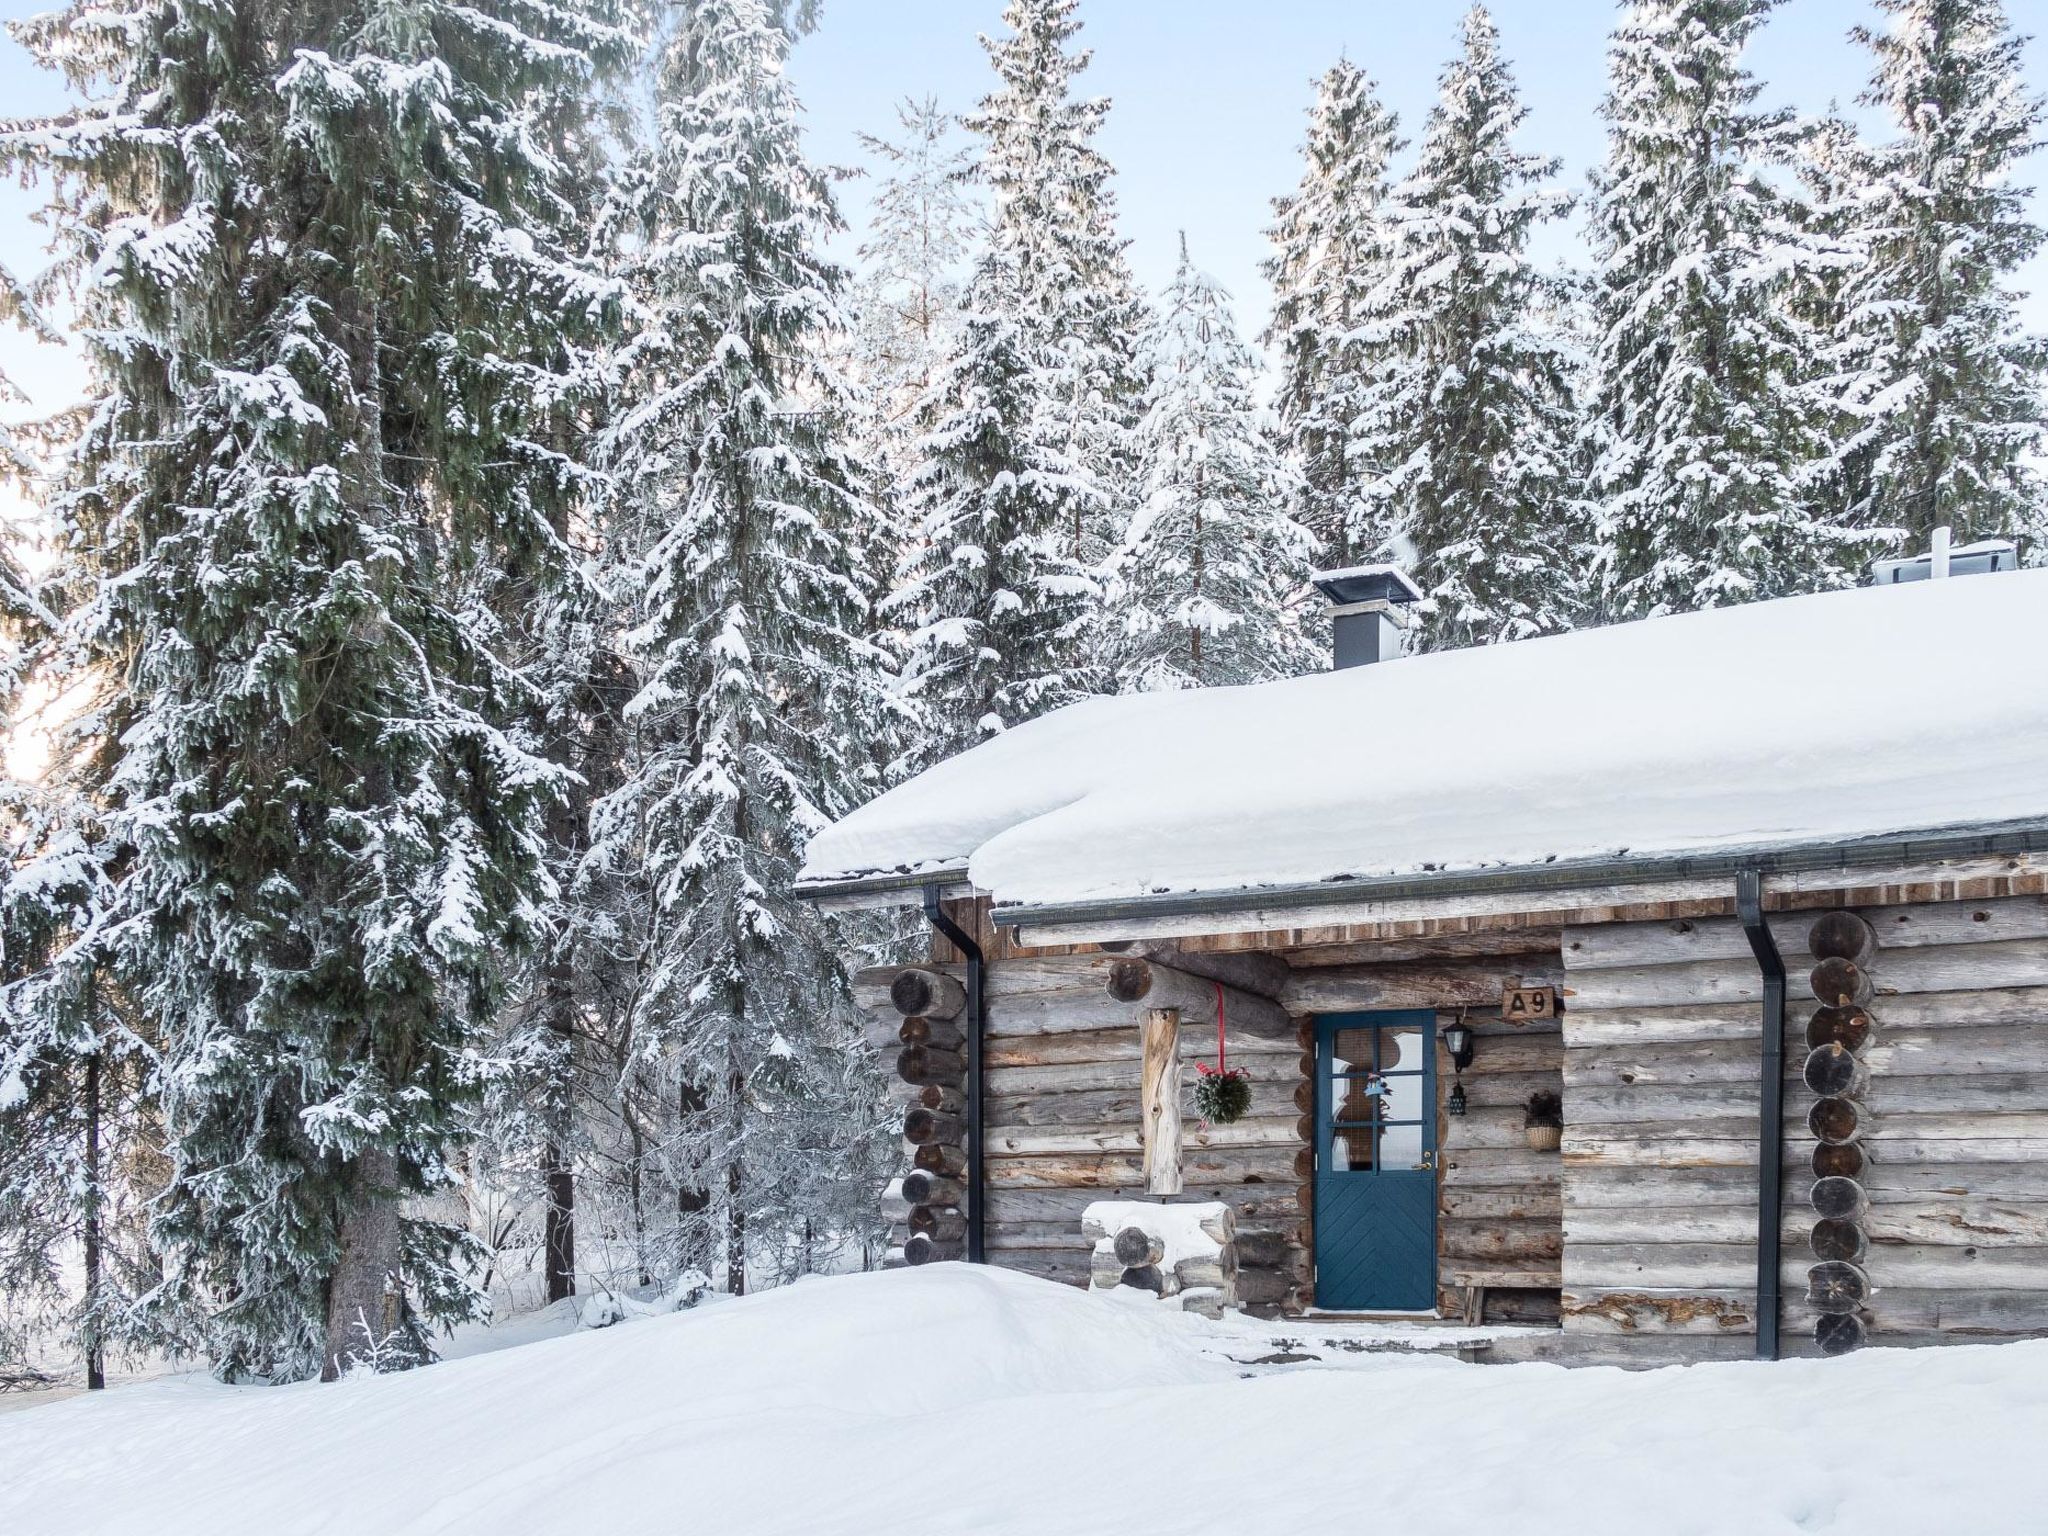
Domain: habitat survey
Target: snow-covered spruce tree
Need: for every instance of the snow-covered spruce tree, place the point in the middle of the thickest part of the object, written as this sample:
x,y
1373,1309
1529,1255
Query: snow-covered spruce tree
x,y
1340,349
760,695
1208,585
998,611
1700,433
1485,488
912,268
1069,289
318,254
1938,393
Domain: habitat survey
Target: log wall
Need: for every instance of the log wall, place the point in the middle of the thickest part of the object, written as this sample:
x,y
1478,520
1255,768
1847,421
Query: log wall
x,y
1499,1203
1062,1108
1660,1068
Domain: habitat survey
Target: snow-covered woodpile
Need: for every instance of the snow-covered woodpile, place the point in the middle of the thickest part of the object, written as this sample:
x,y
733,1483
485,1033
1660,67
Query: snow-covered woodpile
x,y
1922,1153
1185,1251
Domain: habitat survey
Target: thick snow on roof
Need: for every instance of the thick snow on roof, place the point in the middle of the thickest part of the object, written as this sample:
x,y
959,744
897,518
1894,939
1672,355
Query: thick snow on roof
x,y
1845,714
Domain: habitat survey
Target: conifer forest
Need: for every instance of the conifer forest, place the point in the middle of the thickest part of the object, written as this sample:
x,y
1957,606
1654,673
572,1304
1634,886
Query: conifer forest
x,y
511,513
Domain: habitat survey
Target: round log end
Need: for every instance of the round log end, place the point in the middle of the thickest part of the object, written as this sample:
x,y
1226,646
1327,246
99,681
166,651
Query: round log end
x,y
1847,1027
1135,1248
1832,1070
1837,1286
924,1250
922,1188
1838,1332
1836,1237
1129,979
1841,983
937,1157
911,992
1836,1122
1144,1278
1844,1161
1837,1197
1841,936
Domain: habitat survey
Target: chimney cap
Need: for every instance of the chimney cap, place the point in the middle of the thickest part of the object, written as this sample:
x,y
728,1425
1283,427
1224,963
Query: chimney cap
x,y
1367,584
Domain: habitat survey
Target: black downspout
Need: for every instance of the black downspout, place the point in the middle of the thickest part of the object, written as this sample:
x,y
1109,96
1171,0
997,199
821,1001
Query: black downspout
x,y
936,916
1749,906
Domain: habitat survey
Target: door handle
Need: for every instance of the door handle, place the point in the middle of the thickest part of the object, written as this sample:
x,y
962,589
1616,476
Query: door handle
x,y
1428,1163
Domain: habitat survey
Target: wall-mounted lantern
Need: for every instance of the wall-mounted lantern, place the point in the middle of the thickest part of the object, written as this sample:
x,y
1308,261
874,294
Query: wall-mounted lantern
x,y
1457,1039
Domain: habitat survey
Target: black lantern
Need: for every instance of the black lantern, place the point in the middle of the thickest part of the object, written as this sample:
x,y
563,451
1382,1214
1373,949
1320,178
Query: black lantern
x,y
1457,1039
1455,1104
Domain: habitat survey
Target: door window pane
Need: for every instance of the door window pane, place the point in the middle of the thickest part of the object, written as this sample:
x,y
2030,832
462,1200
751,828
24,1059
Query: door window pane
x,y
1401,1147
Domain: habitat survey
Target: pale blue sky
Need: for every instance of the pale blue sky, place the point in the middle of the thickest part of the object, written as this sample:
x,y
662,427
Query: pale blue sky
x,y
1208,99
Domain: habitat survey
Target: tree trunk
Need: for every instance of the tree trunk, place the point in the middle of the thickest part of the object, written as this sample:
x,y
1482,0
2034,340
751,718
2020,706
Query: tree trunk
x,y
95,1353
364,1269
735,1210
693,1201
559,1239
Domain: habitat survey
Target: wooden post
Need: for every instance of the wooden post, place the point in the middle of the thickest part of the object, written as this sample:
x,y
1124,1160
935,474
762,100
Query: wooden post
x,y
1159,1100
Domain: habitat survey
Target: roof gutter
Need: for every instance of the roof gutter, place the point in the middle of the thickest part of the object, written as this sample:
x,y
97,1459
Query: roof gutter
x,y
1986,840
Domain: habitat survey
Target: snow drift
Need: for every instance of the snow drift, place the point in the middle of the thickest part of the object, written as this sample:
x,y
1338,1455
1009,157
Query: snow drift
x,y
953,1399
1841,715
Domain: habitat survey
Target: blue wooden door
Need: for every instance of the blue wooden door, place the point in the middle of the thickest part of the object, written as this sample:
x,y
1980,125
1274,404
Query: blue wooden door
x,y
1375,1228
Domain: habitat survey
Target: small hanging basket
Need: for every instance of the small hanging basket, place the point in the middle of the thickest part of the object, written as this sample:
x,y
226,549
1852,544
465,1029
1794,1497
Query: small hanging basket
x,y
1223,1095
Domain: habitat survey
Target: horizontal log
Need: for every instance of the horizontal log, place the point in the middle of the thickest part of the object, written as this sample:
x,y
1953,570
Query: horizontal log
x,y
1514,1243
1218,1272
1915,926
942,1224
929,1067
1994,1007
1491,1167
1539,943
943,1158
943,1034
924,1127
1541,1050
1256,1207
921,1188
1112,1109
1253,971
1536,1201
1263,1287
931,994
1109,1047
1340,988
924,1250
1148,984
1733,1265
1892,1053
1111,1170
1928,1222
1024,1140
1096,1076
1950,968
1484,1127
1958,1316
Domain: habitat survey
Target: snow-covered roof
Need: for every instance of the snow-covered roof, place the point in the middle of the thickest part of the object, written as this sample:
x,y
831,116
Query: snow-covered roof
x,y
1786,724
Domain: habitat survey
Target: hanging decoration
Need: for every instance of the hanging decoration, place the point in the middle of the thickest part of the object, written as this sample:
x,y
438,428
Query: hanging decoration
x,y
1223,1093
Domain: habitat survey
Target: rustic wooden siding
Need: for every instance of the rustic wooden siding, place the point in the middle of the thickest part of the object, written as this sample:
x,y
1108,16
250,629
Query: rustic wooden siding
x,y
1660,1070
1500,1204
1061,1106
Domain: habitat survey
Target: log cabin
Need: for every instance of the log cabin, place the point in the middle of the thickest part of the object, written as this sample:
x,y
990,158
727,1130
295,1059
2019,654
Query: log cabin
x,y
1756,893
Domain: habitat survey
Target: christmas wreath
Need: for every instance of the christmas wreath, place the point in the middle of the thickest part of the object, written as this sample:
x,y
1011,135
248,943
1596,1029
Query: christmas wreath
x,y
1223,1093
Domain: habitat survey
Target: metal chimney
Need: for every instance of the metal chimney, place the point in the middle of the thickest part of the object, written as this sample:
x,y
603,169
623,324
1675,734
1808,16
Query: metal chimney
x,y
1370,612
1944,559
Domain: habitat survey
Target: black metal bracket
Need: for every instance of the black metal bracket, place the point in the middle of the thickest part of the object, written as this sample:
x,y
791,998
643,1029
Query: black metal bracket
x,y
1749,907
935,914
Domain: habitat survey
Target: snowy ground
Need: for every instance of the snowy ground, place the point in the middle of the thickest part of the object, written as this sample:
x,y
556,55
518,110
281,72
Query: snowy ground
x,y
960,1400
